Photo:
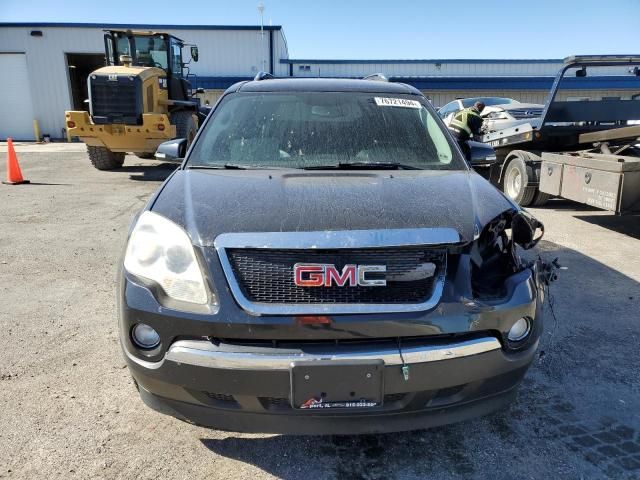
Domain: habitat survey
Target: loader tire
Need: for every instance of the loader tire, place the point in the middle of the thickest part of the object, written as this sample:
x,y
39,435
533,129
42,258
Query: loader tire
x,y
146,156
186,125
104,159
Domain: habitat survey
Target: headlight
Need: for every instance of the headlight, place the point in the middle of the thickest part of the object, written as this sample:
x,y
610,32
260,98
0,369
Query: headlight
x,y
161,251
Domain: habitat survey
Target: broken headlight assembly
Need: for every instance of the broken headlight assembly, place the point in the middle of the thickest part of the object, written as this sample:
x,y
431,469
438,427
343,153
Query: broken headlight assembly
x,y
493,255
160,252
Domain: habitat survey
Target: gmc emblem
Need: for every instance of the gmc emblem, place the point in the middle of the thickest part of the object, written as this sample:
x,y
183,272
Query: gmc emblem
x,y
326,275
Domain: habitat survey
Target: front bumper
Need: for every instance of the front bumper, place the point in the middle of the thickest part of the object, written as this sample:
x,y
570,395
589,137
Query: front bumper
x,y
460,366
154,130
248,389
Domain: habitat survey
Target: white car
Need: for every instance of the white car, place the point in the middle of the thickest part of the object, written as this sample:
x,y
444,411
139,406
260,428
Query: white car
x,y
498,117
447,111
499,112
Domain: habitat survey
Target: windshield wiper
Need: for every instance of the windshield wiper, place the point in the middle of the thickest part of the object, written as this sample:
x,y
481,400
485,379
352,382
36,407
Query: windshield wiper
x,y
364,166
231,166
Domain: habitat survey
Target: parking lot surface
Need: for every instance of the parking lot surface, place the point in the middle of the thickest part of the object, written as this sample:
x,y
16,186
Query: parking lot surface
x,y
68,408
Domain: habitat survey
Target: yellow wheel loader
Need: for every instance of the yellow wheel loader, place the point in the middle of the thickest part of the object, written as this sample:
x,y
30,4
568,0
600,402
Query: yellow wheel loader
x,y
140,99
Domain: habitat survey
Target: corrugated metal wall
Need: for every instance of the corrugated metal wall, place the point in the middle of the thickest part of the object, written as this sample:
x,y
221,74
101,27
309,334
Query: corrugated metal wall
x,y
437,68
222,53
423,68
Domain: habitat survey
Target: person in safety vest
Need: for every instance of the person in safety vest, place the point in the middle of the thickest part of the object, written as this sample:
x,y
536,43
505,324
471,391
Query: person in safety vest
x,y
465,124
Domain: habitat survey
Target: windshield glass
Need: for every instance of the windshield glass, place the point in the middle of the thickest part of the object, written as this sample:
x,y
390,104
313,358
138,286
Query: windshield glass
x,y
306,130
488,101
150,51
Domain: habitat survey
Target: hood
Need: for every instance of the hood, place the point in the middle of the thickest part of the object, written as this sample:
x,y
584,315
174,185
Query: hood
x,y
122,71
207,203
512,106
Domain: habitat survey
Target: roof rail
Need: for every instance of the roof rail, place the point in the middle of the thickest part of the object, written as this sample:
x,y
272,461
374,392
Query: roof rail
x,y
376,77
263,76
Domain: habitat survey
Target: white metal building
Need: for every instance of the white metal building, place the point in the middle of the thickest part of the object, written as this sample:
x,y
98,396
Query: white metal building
x,y
43,70
39,64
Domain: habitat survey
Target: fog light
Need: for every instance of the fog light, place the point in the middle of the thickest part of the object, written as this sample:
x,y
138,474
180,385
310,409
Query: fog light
x,y
161,126
144,336
519,330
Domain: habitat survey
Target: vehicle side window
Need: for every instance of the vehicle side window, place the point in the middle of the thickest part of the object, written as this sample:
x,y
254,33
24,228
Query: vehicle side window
x,y
446,110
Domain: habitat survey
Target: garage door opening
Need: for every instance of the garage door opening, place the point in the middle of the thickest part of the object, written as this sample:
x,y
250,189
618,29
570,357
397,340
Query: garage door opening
x,y
80,65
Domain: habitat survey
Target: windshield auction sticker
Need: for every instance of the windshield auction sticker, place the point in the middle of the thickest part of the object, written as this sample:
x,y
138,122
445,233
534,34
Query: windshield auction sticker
x,y
397,102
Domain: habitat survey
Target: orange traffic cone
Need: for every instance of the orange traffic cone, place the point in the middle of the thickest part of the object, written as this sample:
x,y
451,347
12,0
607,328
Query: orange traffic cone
x,y
14,175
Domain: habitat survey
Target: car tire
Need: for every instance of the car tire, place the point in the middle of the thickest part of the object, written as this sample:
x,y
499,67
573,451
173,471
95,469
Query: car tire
x,y
186,125
517,178
104,159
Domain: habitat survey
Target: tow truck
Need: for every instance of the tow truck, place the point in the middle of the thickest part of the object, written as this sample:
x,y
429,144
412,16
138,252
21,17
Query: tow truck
x,y
582,149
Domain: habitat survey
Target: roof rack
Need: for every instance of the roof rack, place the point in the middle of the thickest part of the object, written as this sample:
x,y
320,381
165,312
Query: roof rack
x,y
376,77
263,76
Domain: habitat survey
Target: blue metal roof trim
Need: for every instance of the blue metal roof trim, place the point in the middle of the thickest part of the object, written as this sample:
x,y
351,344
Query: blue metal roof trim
x,y
417,61
472,83
519,83
141,26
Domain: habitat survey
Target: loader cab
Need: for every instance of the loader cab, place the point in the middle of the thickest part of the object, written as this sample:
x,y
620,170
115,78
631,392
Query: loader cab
x,y
152,49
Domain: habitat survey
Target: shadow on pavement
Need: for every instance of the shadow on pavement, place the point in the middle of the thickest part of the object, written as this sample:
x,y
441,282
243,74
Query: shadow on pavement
x,y
575,415
627,225
562,204
44,183
350,457
154,173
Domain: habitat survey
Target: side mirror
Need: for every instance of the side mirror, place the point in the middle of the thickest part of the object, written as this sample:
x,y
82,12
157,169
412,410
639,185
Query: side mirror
x,y
172,151
582,72
482,154
523,229
194,53
199,90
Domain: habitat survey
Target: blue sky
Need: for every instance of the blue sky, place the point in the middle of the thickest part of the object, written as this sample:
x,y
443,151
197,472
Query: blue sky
x,y
384,29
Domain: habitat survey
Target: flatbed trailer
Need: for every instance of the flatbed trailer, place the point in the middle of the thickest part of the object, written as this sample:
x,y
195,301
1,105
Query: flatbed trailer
x,y
575,134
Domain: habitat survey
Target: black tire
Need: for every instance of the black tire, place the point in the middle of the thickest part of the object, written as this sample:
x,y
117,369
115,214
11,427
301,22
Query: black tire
x,y
517,178
146,156
534,164
104,159
186,125
540,199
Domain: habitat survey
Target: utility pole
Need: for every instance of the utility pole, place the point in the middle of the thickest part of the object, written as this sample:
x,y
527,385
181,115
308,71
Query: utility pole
x,y
261,10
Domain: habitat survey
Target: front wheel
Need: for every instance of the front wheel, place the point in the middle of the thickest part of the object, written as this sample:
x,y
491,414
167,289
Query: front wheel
x,y
104,159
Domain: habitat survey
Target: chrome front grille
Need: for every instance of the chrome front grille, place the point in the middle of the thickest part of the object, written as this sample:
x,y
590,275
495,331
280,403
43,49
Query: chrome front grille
x,y
267,275
260,269
526,113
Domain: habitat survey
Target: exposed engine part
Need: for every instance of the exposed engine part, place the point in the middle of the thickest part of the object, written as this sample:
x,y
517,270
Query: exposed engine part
x,y
494,255
550,270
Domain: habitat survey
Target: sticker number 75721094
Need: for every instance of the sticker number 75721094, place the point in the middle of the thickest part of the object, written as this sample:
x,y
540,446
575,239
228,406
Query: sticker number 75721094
x,y
396,102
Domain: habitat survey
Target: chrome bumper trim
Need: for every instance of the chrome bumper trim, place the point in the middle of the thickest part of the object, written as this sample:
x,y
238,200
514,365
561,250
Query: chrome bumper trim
x,y
203,353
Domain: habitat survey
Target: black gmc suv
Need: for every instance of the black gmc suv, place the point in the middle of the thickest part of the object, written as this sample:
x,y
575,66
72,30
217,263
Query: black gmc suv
x,y
325,261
